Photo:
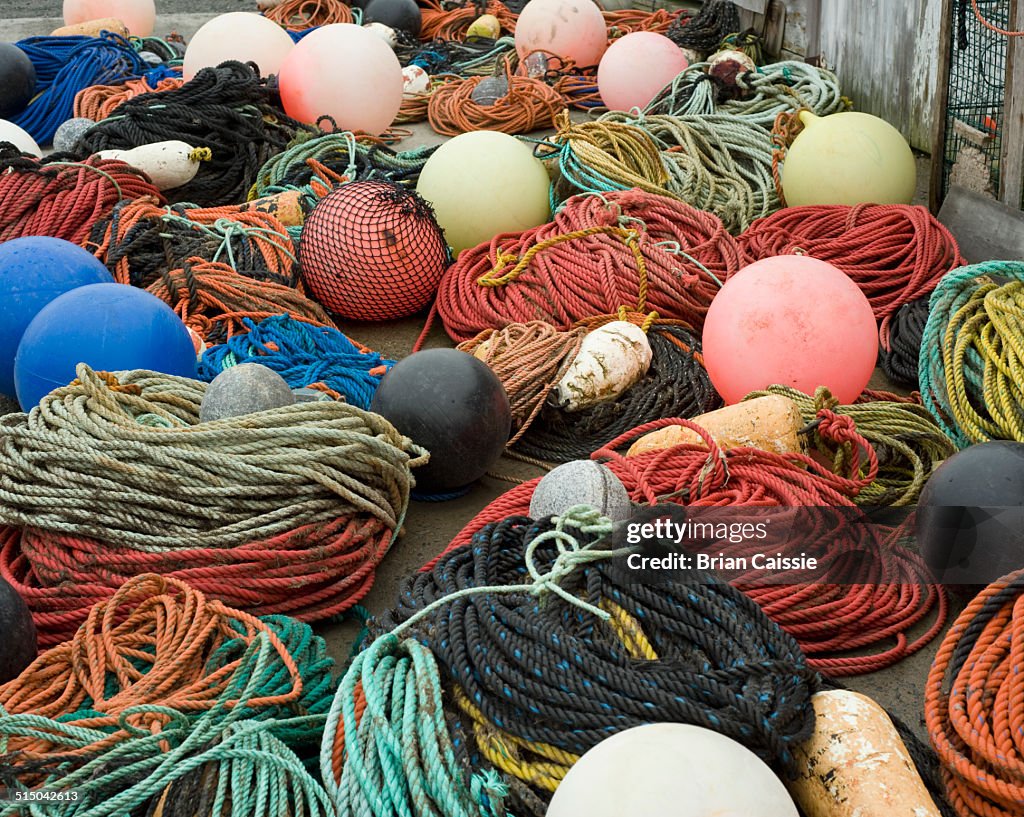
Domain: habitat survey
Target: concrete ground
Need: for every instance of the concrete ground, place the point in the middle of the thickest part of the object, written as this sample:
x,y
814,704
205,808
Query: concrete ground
x,y
430,526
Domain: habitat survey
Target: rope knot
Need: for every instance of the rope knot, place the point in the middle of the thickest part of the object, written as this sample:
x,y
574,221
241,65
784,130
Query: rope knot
x,y
109,379
201,155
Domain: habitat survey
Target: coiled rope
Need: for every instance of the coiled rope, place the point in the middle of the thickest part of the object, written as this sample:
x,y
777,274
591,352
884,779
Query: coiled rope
x,y
227,109
972,703
764,94
546,648
599,253
899,361
452,23
299,15
163,701
304,355
141,242
970,363
834,623
99,101
214,300
909,443
83,62
284,511
702,33
63,199
894,253
528,105
625,21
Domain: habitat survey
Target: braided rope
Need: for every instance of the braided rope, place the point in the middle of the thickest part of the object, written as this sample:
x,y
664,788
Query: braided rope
x,y
99,101
899,361
528,105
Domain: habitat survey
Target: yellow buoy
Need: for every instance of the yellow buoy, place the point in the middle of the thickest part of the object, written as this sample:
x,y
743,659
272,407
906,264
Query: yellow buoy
x,y
483,183
487,26
848,158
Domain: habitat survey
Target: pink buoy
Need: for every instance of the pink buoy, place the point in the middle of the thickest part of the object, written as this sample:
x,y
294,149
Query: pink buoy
x,y
238,35
636,67
138,15
570,29
346,72
791,320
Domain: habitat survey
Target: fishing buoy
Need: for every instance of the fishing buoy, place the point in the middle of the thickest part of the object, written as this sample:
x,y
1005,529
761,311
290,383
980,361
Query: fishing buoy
x,y
168,164
761,330
17,80
9,132
489,90
848,158
92,28
244,389
769,423
484,183
636,67
569,29
401,15
18,647
33,271
670,770
285,206
855,764
384,33
111,327
486,26
454,406
66,137
415,80
725,67
611,358
970,517
241,36
138,15
580,482
372,251
365,91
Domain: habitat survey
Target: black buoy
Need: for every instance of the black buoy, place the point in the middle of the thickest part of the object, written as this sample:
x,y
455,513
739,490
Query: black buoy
x,y
454,406
18,646
970,517
17,80
401,15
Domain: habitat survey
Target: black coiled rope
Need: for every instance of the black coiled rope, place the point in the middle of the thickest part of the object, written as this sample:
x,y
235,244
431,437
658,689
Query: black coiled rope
x,y
905,332
227,109
676,385
703,33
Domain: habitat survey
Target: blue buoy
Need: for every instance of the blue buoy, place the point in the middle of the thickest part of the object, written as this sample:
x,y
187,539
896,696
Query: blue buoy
x,y
111,327
33,271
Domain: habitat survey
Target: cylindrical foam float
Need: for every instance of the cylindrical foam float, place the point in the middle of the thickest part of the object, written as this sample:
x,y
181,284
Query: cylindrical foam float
x,y
138,15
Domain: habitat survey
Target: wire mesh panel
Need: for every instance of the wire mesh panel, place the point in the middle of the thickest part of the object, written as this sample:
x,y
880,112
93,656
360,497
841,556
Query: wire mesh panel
x,y
977,91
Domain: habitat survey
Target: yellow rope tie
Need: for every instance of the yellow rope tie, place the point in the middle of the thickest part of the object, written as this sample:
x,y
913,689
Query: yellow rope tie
x,y
201,155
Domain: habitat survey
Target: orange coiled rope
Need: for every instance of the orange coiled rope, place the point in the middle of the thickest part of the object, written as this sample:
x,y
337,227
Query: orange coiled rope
x,y
601,252
626,21
100,101
977,725
299,15
213,300
528,105
439,24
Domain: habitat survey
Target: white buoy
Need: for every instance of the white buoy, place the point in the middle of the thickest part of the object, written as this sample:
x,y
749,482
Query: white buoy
x,y
670,770
611,359
168,164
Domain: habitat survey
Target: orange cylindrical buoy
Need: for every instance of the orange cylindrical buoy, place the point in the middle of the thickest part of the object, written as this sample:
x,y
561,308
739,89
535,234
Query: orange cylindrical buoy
x,y
285,206
92,28
771,423
138,15
856,765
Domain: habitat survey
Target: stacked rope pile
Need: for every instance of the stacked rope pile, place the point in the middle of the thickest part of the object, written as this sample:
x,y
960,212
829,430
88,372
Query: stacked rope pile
x,y
703,33
625,21
970,365
909,443
227,109
64,199
285,511
215,301
299,15
757,98
440,23
835,621
141,242
538,646
628,248
528,105
972,703
899,361
895,253
161,701
80,62
304,355
100,101
477,56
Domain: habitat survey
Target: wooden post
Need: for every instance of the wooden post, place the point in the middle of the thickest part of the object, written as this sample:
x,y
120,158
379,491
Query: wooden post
x,y
1011,165
813,16
941,103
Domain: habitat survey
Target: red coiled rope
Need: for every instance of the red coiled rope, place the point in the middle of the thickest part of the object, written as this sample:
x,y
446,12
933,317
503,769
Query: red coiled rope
x,y
64,199
894,253
827,619
601,252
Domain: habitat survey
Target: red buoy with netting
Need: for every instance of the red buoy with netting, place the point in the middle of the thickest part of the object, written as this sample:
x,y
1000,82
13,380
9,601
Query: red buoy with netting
x,y
372,251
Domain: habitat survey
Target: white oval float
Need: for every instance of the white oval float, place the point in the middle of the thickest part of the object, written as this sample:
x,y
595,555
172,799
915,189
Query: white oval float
x,y
611,359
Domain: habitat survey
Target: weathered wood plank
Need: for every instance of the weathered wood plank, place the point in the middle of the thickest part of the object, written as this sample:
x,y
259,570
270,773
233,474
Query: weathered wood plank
x,y
1011,174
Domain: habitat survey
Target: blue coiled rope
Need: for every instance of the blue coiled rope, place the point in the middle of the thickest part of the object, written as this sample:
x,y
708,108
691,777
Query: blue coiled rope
x,y
302,354
66,65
